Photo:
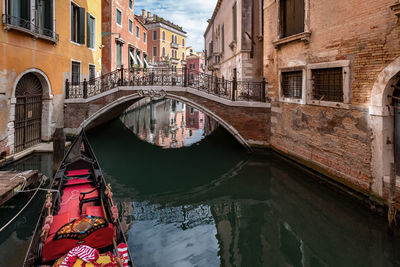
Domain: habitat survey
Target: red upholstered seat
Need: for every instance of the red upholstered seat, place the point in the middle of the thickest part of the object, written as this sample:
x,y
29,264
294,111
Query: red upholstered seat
x,y
77,181
94,211
78,172
58,221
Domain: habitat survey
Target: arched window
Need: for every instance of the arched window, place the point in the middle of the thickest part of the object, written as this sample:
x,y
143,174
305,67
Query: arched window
x,y
163,51
163,35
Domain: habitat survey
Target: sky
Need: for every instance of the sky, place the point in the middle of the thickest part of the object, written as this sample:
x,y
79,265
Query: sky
x,y
192,15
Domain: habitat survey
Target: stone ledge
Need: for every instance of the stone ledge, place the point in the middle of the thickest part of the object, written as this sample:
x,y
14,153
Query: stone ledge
x,y
304,36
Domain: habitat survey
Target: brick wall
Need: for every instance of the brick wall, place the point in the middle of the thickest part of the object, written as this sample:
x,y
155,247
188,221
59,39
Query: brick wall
x,y
336,141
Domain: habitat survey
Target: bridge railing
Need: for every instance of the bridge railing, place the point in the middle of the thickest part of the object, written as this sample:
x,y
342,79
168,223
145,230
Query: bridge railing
x,y
228,89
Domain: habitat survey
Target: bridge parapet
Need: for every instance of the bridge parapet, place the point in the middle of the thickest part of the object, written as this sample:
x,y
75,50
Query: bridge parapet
x,y
250,91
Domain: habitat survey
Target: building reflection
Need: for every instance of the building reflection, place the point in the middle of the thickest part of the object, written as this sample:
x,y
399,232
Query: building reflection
x,y
168,123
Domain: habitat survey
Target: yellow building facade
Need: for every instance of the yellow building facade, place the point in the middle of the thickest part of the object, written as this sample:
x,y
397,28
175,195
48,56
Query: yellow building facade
x,y
43,43
166,41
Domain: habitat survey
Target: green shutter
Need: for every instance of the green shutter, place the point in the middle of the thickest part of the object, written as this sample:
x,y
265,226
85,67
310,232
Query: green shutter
x,y
88,31
81,22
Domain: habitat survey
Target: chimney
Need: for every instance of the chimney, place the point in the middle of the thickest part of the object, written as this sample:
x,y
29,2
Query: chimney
x,y
148,15
143,13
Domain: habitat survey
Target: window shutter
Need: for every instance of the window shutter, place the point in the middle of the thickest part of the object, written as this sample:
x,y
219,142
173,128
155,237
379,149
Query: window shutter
x,y
88,31
81,25
48,15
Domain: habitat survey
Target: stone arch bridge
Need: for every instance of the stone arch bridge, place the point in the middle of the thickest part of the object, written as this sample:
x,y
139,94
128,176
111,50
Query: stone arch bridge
x,y
240,107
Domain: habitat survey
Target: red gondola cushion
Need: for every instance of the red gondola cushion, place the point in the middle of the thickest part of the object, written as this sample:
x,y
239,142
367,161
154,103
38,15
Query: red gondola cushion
x,y
78,172
94,211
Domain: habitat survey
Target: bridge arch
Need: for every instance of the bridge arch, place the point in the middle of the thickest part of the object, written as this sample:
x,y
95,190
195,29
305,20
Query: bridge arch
x,y
116,108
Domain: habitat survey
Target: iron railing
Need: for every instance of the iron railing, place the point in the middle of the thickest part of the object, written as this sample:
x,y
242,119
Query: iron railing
x,y
29,27
231,90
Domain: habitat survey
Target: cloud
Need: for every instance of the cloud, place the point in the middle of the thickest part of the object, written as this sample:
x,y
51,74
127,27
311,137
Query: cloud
x,y
192,15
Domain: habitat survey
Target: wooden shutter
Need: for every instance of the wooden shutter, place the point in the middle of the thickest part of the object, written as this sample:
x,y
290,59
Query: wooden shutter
x,y
81,25
292,17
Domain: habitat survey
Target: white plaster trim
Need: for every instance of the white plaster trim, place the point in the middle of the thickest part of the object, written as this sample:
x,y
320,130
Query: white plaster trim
x,y
379,90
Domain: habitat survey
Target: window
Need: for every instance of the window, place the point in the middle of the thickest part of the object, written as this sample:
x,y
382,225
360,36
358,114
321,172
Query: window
x,y
77,24
163,35
223,38
137,32
163,51
154,35
92,74
234,15
119,17
201,66
173,39
191,110
183,56
291,17
327,84
91,31
19,12
131,26
75,73
154,51
131,4
191,66
291,84
144,37
119,55
183,42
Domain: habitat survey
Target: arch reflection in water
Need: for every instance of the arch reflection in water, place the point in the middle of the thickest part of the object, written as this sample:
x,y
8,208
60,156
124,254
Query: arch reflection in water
x,y
168,123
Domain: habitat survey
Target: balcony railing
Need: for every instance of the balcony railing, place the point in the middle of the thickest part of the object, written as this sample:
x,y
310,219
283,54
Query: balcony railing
x,y
175,45
230,90
20,24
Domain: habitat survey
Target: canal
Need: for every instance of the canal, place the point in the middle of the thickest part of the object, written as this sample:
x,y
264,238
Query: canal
x,y
190,195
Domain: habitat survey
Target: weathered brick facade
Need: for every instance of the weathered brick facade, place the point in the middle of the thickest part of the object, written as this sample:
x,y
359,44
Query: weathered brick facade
x,y
338,139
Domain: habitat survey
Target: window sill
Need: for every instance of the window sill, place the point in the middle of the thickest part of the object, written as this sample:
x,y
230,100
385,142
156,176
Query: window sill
x,y
329,104
304,36
32,33
299,101
75,43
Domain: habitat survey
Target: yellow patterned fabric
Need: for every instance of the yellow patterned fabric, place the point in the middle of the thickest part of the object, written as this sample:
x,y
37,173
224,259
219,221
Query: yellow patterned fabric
x,y
105,260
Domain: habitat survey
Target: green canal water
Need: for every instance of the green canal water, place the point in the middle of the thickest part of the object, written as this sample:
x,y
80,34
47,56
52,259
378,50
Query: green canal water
x,y
190,195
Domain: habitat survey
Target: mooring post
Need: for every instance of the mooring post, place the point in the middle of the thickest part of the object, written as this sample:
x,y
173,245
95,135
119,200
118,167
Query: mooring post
x,y
58,148
84,88
66,89
122,75
263,90
234,88
392,197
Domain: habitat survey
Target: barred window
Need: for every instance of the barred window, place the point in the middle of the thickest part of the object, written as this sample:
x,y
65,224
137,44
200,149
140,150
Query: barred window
x,y
327,84
292,83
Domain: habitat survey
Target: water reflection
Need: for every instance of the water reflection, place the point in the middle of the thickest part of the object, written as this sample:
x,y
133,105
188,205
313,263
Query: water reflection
x,y
214,205
167,123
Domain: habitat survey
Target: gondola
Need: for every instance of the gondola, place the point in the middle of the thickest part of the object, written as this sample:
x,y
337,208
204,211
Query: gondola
x,y
78,224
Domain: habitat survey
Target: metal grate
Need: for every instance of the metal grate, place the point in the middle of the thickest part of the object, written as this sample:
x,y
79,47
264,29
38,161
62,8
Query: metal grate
x,y
28,112
292,84
327,84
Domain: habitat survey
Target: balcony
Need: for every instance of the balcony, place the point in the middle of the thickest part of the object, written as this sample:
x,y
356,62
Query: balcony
x,y
22,25
174,60
174,45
